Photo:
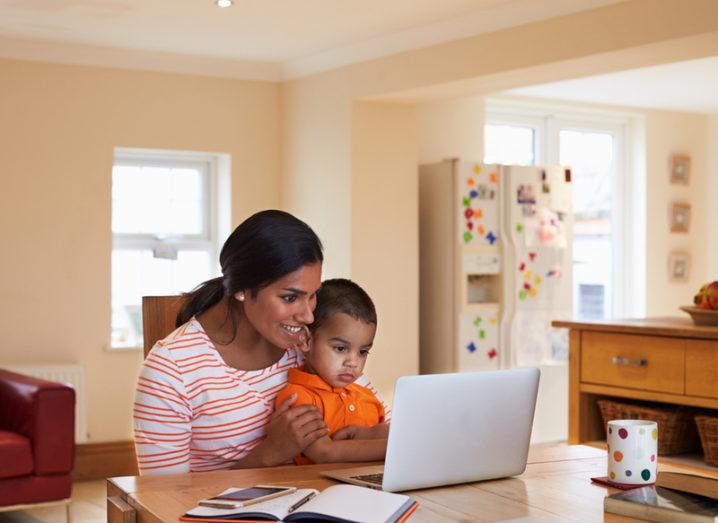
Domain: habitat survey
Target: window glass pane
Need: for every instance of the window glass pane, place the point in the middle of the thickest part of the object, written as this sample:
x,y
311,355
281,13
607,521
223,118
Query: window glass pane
x,y
509,144
136,273
590,155
161,201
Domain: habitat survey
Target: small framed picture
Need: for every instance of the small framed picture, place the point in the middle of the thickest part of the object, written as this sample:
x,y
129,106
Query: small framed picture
x,y
680,168
679,266
680,216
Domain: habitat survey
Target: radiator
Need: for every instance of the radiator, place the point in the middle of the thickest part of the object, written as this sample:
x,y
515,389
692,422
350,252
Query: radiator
x,y
73,375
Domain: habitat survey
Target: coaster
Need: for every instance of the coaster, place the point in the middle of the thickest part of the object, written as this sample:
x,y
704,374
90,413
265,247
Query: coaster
x,y
603,480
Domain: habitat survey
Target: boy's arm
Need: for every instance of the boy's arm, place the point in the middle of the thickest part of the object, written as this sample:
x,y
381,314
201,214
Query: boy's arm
x,y
326,450
379,431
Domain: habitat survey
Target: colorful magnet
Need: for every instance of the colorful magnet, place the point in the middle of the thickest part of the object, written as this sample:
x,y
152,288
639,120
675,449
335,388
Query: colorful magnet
x,y
532,291
522,294
482,334
522,266
537,280
532,256
519,227
493,178
492,321
477,321
543,175
470,182
469,225
466,202
527,276
468,213
477,169
468,236
492,353
479,213
481,230
471,347
473,194
491,238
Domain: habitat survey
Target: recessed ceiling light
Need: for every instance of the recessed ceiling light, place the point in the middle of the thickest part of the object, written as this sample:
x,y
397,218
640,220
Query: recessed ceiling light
x,y
224,3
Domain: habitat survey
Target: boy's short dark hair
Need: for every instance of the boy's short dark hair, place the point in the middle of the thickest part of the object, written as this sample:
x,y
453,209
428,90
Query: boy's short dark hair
x,y
341,295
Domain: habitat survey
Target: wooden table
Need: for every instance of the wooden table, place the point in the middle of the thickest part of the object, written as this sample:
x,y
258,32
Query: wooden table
x,y
556,486
667,360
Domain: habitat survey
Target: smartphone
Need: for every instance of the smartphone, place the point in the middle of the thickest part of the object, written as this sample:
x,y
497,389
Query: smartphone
x,y
246,496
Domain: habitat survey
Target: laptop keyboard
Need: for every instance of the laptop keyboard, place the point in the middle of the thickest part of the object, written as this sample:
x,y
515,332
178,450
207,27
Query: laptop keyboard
x,y
377,479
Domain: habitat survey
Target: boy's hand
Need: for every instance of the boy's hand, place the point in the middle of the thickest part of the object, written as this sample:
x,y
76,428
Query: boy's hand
x,y
380,431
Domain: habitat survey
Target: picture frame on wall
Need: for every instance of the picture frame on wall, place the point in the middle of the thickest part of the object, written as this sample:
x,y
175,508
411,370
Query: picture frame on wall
x,y
679,266
680,217
680,168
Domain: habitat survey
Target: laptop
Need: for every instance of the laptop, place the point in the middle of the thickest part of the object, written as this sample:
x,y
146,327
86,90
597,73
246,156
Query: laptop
x,y
454,428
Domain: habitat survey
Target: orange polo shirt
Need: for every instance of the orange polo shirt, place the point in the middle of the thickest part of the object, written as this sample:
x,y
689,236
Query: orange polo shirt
x,y
340,406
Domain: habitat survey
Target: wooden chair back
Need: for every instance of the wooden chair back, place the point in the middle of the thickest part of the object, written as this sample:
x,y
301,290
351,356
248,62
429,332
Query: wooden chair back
x,y
159,314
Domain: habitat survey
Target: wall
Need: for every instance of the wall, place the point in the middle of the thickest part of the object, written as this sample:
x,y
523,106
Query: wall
x,y
711,191
58,128
385,245
451,129
668,133
317,111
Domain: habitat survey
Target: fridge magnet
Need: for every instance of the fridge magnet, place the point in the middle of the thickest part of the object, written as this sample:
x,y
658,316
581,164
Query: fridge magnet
x,y
679,264
470,182
525,194
471,347
519,228
491,238
680,168
477,321
493,178
680,217
492,353
528,210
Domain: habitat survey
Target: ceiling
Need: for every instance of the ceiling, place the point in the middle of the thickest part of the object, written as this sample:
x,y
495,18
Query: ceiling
x,y
260,39
690,86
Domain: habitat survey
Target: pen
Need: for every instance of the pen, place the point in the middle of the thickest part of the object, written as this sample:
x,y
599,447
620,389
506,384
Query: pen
x,y
302,501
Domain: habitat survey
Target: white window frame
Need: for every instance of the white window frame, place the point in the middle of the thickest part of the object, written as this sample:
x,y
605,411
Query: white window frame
x,y
628,206
215,205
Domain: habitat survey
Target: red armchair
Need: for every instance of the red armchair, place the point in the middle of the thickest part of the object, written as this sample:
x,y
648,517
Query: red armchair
x,y
37,442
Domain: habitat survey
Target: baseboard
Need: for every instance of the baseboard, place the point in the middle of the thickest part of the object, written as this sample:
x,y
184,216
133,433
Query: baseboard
x,y
104,460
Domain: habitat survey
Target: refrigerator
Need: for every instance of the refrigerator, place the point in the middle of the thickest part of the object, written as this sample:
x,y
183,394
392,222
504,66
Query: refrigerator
x,y
495,270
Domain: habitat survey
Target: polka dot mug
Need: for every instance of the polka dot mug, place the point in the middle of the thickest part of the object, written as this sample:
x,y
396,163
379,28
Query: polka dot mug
x,y
632,451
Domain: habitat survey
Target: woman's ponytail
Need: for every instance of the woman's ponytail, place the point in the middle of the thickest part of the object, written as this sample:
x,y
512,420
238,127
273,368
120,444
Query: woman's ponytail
x,y
200,299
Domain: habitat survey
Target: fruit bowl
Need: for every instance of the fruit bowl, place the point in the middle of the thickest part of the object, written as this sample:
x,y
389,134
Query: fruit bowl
x,y
702,316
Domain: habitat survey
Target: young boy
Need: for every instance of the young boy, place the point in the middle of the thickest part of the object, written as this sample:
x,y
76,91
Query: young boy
x,y
335,355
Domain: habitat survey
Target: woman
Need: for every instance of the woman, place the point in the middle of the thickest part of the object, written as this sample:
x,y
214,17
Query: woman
x,y
205,393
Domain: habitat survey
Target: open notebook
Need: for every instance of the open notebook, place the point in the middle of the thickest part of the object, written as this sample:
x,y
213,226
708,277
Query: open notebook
x,y
339,504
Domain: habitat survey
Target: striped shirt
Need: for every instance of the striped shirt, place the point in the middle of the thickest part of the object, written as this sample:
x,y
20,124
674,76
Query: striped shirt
x,y
193,412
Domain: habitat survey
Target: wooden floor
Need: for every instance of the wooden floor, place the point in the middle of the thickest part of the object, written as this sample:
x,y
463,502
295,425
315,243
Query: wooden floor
x,y
88,506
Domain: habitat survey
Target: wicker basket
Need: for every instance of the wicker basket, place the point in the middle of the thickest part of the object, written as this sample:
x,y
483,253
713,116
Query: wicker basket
x,y
708,430
676,429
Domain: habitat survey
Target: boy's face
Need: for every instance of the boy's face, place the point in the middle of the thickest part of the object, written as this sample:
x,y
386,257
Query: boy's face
x,y
338,349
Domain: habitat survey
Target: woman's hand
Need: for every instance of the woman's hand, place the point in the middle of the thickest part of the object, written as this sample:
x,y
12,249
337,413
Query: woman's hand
x,y
380,431
290,431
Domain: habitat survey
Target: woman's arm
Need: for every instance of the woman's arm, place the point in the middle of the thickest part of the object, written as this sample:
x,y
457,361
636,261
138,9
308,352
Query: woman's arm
x,y
327,450
289,432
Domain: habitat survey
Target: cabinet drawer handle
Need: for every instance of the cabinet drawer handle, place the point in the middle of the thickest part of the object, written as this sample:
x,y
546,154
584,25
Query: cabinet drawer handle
x,y
618,360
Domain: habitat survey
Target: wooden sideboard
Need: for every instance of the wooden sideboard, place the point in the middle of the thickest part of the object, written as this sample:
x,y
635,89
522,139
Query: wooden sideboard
x,y
667,360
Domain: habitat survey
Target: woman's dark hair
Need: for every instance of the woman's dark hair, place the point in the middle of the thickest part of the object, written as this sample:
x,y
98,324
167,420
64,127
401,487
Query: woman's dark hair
x,y
263,248
340,295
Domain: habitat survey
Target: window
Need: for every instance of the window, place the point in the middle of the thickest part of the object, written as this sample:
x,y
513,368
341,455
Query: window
x,y
165,227
606,240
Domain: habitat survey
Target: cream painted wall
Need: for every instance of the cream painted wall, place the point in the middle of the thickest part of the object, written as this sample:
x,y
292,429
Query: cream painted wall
x,y
58,128
385,245
451,129
711,192
317,126
668,133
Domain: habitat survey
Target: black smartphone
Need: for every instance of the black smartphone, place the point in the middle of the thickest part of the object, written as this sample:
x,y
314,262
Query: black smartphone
x,y
246,496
